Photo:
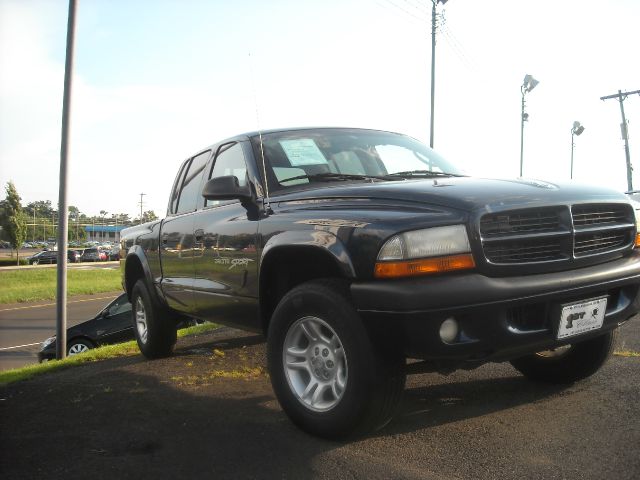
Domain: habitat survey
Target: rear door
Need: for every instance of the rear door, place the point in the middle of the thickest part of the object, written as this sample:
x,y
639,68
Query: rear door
x,y
176,237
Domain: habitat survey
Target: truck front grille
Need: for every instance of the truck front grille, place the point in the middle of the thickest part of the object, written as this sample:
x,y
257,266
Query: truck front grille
x,y
553,234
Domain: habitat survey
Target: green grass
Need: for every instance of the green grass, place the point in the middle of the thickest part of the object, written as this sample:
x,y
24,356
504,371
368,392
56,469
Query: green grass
x,y
18,286
95,355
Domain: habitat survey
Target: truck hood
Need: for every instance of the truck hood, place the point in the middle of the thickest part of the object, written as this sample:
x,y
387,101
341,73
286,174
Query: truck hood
x,y
469,194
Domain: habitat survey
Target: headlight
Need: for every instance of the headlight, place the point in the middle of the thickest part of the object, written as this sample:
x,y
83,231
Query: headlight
x,y
47,342
419,252
636,210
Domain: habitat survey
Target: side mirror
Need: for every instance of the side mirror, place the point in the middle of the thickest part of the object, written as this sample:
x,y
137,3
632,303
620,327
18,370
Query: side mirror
x,y
226,188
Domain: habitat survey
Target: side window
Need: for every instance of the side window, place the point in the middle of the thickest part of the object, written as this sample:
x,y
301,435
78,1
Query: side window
x,y
190,192
175,193
122,305
229,161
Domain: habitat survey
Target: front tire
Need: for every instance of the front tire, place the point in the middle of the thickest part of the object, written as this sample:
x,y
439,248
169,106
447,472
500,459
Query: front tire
x,y
570,363
155,333
328,376
76,346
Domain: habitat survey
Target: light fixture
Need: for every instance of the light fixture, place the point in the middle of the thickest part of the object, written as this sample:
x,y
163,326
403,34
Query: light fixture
x,y
576,130
529,83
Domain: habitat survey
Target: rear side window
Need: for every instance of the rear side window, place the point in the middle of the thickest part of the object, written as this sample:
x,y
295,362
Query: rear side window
x,y
190,191
176,188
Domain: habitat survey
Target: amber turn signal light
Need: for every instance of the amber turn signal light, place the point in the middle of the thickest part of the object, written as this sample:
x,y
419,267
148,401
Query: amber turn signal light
x,y
637,244
423,266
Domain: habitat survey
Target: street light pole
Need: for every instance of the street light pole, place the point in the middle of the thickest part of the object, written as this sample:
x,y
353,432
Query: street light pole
x,y
576,130
528,84
522,120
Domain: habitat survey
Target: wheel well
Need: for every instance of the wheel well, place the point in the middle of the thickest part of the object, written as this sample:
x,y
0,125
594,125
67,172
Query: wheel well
x,y
82,337
285,268
132,273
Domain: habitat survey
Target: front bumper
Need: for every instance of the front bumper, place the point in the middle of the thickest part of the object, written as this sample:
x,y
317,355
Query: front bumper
x,y
47,354
499,318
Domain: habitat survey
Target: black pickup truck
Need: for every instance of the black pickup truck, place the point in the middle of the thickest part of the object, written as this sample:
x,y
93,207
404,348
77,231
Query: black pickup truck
x,y
363,255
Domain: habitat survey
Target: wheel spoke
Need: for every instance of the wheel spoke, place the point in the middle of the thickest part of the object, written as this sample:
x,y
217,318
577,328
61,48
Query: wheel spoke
x,y
311,388
308,332
341,378
297,365
297,352
335,388
317,331
319,393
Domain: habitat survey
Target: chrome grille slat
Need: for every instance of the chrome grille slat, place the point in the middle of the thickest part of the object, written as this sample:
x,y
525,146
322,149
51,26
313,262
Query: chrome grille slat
x,y
556,233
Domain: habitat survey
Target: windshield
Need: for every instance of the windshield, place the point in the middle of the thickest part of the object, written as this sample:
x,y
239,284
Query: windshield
x,y
300,157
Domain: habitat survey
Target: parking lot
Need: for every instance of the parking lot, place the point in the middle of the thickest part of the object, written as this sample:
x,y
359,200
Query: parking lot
x,y
209,411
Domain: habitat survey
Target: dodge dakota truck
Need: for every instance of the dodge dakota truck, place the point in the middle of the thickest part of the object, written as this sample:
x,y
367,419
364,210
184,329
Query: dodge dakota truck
x,y
363,256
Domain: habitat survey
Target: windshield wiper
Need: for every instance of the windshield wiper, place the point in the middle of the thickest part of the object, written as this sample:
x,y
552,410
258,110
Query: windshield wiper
x,y
330,176
423,173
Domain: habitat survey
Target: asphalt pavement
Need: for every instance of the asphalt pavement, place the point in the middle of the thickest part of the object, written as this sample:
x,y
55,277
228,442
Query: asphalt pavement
x,y
23,327
209,412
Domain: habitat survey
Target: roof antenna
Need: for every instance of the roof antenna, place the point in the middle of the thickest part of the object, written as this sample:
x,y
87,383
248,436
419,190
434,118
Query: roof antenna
x,y
266,200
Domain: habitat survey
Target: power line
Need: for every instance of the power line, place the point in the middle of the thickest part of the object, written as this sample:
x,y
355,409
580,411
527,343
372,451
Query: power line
x,y
391,2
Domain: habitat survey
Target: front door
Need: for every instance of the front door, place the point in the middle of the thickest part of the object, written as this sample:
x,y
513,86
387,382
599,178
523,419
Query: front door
x,y
225,256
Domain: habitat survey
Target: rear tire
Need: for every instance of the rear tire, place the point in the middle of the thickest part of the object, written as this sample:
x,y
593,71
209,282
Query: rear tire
x,y
155,332
568,364
328,376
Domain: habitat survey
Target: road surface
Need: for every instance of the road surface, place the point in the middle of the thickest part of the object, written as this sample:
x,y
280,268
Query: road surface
x,y
209,412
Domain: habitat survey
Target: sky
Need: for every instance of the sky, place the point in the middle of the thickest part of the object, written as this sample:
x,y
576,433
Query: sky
x,y
157,80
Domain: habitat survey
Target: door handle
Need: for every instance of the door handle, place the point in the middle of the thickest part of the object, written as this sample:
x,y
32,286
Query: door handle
x,y
165,236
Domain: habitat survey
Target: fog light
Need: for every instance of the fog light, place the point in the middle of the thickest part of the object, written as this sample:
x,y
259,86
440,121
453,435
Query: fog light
x,y
449,330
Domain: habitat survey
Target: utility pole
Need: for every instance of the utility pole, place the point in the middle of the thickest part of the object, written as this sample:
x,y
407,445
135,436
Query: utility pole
x,y
63,218
433,66
621,97
141,195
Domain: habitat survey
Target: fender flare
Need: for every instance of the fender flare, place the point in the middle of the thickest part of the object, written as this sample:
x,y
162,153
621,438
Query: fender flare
x,y
137,254
322,240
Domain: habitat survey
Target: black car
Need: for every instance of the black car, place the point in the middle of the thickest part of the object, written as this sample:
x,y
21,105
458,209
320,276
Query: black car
x,y
113,324
51,256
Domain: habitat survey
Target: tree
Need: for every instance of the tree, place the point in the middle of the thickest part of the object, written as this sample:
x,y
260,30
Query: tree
x,y
148,216
42,208
14,222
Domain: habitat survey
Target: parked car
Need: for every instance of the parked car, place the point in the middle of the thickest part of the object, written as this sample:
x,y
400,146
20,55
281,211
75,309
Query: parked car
x,y
35,259
113,324
114,254
74,256
92,255
51,256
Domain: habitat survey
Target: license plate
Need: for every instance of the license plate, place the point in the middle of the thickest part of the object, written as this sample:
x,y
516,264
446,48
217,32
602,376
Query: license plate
x,y
581,317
